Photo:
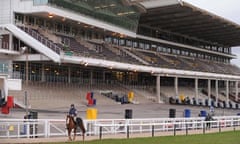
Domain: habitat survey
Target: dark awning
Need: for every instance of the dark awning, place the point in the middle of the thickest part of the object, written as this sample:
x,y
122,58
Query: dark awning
x,y
186,19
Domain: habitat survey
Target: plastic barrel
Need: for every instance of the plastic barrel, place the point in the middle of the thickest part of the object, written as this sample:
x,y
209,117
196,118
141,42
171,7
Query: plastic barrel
x,y
10,101
94,101
172,113
91,113
203,113
128,114
187,113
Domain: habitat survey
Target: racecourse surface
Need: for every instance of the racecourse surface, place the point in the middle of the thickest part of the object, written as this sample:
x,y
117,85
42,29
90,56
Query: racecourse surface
x,y
151,110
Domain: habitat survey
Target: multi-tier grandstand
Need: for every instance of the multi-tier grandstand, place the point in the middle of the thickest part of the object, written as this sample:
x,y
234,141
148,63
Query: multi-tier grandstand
x,y
165,51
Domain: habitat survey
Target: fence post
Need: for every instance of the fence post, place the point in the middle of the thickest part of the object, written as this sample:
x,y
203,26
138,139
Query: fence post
x,y
100,133
203,127
128,131
174,130
186,129
219,126
152,130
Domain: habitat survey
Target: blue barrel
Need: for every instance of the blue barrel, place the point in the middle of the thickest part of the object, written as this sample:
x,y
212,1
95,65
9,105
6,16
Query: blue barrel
x,y
94,101
203,113
187,113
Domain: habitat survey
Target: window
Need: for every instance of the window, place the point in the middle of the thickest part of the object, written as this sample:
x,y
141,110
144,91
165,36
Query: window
x,y
40,2
129,43
159,49
147,46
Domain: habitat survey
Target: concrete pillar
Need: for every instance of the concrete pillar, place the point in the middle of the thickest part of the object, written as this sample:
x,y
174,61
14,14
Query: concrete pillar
x,y
216,87
1,41
196,89
236,90
104,76
43,73
227,92
209,88
176,86
10,46
158,88
69,74
91,77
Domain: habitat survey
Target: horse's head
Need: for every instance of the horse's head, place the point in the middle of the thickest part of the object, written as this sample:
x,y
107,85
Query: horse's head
x,y
69,120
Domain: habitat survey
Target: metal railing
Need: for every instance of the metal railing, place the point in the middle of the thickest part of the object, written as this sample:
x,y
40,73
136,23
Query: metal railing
x,y
33,128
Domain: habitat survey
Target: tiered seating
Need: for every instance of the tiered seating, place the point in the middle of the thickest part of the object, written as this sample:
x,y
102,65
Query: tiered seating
x,y
122,55
123,99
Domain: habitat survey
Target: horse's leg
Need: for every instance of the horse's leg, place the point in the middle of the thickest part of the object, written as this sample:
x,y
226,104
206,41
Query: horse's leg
x,y
69,134
80,123
74,131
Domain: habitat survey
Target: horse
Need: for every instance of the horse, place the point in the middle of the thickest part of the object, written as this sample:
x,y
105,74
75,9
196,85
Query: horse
x,y
71,125
208,120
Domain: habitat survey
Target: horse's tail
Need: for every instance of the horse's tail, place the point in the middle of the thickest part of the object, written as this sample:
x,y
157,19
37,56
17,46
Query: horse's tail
x,y
81,125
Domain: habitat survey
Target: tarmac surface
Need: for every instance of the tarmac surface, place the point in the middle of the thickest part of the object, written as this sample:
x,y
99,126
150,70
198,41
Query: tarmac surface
x,y
117,111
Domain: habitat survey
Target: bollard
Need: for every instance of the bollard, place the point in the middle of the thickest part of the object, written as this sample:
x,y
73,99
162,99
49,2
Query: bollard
x,y
128,131
204,128
152,130
186,129
100,133
174,130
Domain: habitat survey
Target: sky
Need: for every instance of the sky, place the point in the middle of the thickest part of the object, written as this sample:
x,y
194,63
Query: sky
x,y
229,9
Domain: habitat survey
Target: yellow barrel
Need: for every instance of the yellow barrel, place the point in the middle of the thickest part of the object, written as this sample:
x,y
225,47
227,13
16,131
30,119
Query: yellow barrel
x,y
130,96
91,113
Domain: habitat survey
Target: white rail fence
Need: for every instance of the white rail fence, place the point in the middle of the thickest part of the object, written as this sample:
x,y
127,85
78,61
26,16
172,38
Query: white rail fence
x,y
33,128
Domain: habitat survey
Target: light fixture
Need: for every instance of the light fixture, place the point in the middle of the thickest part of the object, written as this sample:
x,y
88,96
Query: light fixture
x,y
50,15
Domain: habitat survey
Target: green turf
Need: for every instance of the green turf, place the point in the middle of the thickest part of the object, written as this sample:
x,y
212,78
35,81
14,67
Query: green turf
x,y
232,137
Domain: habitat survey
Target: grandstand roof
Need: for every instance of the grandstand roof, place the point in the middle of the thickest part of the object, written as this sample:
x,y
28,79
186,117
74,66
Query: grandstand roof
x,y
183,18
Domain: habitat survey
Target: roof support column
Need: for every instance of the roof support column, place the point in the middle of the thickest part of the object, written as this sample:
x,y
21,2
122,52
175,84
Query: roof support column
x,y
10,45
158,88
227,92
209,88
69,75
196,89
236,91
43,78
176,86
91,78
1,37
104,76
216,87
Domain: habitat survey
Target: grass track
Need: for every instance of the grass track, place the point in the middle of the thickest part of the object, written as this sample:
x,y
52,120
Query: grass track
x,y
232,137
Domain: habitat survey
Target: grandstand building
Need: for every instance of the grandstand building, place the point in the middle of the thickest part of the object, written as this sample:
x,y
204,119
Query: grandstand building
x,y
168,48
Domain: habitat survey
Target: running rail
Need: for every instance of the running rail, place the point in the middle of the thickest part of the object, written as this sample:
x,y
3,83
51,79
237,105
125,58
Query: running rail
x,y
33,128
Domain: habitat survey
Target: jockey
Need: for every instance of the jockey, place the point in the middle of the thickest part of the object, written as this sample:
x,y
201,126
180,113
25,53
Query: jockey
x,y
73,112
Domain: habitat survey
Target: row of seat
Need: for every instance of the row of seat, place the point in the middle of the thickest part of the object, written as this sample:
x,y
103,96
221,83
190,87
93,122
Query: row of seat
x,y
205,102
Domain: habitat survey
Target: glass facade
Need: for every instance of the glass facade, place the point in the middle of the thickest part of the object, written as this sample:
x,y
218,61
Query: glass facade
x,y
111,11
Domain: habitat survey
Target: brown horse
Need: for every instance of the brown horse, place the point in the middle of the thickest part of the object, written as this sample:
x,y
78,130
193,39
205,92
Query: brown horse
x,y
71,125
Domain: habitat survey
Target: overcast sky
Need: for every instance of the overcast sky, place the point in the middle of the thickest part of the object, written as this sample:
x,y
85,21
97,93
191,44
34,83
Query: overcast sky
x,y
229,9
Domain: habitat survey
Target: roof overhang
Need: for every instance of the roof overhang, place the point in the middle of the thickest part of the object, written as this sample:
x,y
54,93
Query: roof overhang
x,y
183,18
148,69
